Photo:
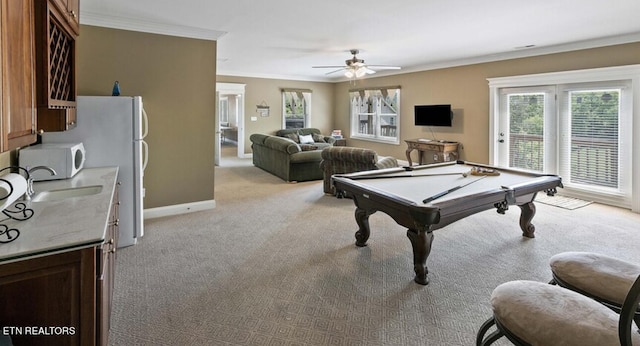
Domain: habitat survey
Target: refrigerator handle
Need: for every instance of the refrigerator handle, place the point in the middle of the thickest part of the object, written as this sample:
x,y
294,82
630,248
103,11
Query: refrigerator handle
x,y
145,147
145,119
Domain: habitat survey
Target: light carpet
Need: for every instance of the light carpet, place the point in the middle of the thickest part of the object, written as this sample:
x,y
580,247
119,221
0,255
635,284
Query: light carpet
x,y
275,264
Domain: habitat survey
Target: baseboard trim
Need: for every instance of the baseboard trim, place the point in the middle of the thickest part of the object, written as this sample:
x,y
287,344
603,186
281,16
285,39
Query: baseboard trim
x,y
178,209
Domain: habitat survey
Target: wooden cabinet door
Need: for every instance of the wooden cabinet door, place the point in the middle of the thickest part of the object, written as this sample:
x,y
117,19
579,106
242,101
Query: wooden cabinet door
x,y
55,63
3,111
106,274
71,12
18,78
51,291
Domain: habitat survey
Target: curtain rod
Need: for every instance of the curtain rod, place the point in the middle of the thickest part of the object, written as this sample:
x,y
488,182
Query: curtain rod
x,y
375,88
296,90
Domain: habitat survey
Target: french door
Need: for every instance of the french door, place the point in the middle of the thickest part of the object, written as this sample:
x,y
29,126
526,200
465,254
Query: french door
x,y
580,131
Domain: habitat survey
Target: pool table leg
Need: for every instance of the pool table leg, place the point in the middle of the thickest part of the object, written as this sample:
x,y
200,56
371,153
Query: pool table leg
x,y
528,211
421,243
362,218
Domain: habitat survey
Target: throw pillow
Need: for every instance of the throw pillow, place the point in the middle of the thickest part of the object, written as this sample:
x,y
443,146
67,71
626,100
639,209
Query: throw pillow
x,y
306,139
293,137
318,138
308,147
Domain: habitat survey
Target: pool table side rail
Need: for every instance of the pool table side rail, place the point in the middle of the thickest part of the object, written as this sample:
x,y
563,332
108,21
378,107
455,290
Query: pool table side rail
x,y
404,211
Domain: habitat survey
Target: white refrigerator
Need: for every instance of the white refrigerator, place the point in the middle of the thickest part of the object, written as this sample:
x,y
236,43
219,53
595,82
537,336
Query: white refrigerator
x,y
112,129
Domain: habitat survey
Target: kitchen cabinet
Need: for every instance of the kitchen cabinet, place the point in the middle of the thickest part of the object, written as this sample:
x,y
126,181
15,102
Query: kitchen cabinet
x,y
70,9
55,65
18,74
64,297
106,276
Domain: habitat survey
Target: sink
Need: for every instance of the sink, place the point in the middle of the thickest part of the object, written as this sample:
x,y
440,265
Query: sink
x,y
55,195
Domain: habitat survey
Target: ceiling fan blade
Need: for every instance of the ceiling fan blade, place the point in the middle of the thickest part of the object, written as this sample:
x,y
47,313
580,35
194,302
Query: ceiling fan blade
x,y
338,70
328,66
383,67
369,71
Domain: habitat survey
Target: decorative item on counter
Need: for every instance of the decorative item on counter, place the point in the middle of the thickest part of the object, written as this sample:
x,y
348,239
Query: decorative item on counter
x,y
116,89
12,187
262,109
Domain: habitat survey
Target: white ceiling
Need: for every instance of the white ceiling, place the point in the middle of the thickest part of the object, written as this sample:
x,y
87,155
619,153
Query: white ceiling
x,y
284,38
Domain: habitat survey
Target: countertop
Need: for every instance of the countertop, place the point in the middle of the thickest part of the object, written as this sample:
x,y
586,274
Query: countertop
x,y
63,225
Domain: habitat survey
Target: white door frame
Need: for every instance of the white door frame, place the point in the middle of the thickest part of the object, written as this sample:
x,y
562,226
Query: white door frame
x,y
237,89
629,72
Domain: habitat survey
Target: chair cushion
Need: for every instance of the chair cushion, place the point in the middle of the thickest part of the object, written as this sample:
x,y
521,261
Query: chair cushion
x,y
543,314
601,276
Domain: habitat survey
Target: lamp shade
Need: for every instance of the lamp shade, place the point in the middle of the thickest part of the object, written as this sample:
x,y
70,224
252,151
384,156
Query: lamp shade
x,y
349,73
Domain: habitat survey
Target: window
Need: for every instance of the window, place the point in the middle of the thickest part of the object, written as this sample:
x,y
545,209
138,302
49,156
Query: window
x,y
224,110
296,112
578,126
375,114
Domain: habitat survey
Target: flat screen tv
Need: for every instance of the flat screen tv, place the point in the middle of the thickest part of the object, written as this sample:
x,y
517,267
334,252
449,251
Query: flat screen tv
x,y
433,115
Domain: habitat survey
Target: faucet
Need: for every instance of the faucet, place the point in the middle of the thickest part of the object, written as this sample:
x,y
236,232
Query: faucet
x,y
30,192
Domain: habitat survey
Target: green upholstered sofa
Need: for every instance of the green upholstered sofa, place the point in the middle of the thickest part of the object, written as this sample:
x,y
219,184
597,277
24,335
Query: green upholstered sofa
x,y
341,160
288,159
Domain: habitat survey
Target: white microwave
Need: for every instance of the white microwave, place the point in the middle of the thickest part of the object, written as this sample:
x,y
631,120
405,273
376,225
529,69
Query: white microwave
x,y
66,159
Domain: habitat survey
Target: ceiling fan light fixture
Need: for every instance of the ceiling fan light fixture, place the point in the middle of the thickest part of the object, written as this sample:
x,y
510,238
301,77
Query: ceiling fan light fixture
x,y
357,68
349,73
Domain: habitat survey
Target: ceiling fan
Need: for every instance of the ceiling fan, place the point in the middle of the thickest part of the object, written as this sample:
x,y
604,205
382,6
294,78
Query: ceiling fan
x,y
356,68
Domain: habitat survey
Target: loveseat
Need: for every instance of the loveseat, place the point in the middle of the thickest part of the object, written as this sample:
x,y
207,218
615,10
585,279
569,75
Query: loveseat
x,y
340,160
282,156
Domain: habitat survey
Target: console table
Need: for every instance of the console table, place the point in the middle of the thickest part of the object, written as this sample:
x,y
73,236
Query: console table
x,y
443,151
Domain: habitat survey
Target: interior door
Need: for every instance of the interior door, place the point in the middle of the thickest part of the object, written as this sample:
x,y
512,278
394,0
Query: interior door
x,y
217,132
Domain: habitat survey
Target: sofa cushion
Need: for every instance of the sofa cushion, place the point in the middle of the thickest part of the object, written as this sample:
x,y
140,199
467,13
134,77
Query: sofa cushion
x,y
308,147
306,139
302,131
292,136
318,138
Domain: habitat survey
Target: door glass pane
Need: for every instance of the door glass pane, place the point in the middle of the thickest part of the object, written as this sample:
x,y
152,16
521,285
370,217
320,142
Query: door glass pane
x,y
594,137
526,131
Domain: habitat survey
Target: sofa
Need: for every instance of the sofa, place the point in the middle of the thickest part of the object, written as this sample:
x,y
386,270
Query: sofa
x,y
341,160
291,160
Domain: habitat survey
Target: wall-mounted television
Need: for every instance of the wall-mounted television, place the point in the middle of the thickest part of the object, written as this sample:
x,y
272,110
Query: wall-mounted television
x,y
433,115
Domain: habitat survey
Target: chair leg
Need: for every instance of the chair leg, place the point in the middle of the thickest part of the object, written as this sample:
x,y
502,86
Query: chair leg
x,y
497,334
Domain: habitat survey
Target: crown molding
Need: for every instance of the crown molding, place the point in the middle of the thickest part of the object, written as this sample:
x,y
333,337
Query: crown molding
x,y
124,23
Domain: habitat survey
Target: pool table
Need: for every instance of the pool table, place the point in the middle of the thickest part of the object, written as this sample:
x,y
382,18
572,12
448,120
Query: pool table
x,y
429,197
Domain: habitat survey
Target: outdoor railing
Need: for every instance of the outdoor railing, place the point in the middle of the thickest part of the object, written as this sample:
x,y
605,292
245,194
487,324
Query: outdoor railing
x,y
594,161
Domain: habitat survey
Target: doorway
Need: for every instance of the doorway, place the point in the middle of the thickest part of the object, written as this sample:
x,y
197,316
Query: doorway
x,y
229,121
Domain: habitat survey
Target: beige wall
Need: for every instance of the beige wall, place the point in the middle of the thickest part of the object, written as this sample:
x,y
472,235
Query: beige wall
x,y
268,90
466,89
176,79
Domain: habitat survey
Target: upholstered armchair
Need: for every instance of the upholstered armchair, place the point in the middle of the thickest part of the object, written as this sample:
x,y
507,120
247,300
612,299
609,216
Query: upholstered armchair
x,y
340,160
